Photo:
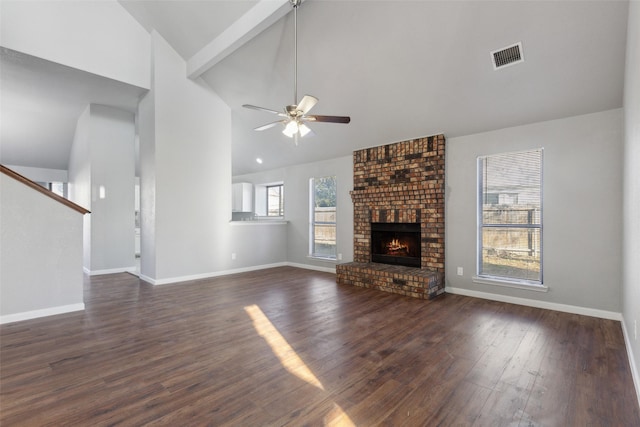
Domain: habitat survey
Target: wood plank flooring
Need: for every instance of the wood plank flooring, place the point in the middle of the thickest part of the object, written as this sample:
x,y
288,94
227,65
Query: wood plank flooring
x,y
288,346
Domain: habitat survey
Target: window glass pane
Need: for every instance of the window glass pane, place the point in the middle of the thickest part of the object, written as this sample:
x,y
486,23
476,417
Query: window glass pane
x,y
58,188
275,200
323,228
324,192
511,252
510,209
511,185
325,240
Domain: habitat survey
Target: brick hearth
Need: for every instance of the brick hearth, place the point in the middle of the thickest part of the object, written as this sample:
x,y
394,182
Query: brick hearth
x,y
399,183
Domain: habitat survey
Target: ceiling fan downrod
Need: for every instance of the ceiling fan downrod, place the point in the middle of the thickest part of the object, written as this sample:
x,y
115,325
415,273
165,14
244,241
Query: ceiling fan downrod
x,y
295,4
295,116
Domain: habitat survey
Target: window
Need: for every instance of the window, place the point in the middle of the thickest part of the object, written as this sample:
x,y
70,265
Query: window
x,y
59,188
275,200
510,217
323,217
269,200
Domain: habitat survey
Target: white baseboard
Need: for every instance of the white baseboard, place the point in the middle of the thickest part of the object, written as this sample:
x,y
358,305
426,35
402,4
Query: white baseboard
x,y
26,315
585,311
209,275
632,361
131,269
179,279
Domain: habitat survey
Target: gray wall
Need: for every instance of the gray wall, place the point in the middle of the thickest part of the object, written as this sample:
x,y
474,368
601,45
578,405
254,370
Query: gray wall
x,y
113,170
296,194
185,174
101,179
41,174
631,240
40,254
257,245
80,178
582,201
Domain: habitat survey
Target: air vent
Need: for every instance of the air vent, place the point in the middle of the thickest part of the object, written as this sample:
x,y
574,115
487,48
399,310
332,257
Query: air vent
x,y
507,56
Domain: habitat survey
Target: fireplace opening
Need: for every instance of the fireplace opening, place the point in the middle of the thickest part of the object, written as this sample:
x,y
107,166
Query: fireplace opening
x,y
395,243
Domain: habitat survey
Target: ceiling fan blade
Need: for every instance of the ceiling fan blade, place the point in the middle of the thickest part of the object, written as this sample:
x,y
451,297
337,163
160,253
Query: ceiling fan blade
x,y
328,119
306,103
253,107
270,125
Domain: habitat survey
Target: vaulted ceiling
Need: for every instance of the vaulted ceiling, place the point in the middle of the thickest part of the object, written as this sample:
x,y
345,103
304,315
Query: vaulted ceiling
x,y
400,69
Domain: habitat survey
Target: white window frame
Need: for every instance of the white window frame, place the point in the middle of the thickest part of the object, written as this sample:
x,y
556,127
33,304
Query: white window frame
x,y
534,285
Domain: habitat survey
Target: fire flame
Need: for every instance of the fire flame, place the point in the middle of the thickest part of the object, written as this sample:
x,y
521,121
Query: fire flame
x,y
396,245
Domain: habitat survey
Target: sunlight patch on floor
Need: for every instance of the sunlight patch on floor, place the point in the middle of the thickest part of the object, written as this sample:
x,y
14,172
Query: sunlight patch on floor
x,y
280,347
337,417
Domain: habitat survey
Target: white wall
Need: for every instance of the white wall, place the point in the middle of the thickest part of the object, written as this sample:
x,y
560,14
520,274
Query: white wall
x,y
582,204
40,254
147,174
100,37
187,148
41,174
296,207
257,244
111,139
101,179
631,210
80,178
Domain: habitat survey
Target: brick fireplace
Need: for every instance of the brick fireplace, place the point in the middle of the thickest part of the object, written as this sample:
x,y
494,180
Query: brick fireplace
x,y
400,183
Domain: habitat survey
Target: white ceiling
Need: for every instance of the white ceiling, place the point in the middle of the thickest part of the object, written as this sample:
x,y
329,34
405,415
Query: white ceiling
x,y
400,69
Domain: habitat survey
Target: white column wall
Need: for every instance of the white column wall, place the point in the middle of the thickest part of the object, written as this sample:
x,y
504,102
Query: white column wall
x,y
147,174
80,178
102,156
631,209
112,138
189,143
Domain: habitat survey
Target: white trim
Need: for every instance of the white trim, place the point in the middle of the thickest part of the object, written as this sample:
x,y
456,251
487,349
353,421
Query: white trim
x,y
573,309
26,315
632,361
146,279
262,15
209,275
179,279
509,284
110,271
259,222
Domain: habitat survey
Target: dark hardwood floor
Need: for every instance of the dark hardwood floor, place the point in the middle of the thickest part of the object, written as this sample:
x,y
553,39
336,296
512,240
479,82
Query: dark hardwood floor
x,y
291,347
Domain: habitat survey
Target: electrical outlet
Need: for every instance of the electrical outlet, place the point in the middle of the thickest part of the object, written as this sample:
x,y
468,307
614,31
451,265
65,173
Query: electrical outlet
x,y
233,256
339,257
460,271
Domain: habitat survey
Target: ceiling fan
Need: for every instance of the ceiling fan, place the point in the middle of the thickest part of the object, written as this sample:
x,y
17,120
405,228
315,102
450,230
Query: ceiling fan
x,y
294,116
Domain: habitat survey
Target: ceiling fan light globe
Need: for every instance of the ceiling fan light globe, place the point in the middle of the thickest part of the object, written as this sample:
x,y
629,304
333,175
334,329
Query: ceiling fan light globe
x,y
303,129
291,128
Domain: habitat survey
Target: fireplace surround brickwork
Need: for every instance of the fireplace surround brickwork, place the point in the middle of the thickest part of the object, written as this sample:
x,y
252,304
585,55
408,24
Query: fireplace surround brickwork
x,y
399,183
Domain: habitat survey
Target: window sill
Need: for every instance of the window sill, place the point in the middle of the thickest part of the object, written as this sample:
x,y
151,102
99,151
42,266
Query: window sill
x,y
260,222
510,284
320,258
